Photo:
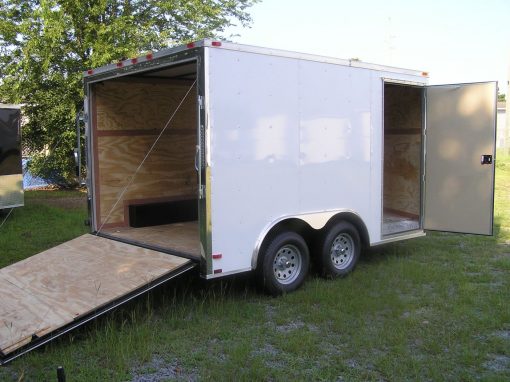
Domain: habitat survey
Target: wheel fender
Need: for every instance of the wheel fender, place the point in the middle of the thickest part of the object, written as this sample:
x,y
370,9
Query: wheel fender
x,y
315,220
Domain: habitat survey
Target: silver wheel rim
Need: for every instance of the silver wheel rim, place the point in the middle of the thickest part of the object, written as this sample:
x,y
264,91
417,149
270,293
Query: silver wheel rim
x,y
342,251
287,264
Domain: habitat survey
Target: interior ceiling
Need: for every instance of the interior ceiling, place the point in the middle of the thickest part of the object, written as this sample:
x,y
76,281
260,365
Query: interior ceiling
x,y
184,71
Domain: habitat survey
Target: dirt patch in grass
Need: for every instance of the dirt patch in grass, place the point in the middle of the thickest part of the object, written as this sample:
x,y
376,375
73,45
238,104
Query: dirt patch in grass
x,y
268,349
503,334
158,369
69,203
65,199
498,363
291,326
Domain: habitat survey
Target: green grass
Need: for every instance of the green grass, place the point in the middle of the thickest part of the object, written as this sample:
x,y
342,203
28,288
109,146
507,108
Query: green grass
x,y
42,223
434,308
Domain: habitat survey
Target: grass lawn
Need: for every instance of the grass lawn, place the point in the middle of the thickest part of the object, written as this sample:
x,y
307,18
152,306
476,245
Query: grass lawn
x,y
434,308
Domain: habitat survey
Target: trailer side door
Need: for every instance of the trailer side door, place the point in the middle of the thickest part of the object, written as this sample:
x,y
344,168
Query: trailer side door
x,y
459,157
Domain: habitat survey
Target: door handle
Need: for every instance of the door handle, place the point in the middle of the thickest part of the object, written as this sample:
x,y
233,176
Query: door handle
x,y
486,159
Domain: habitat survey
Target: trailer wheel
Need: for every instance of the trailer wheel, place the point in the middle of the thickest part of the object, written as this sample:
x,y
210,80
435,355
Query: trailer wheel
x,y
340,250
285,263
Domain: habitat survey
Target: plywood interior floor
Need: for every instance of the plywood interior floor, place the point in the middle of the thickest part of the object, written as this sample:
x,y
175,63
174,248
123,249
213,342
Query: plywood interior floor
x,y
395,223
56,287
180,237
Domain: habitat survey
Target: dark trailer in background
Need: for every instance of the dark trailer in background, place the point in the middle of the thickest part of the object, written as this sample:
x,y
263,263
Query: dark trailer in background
x,y
11,173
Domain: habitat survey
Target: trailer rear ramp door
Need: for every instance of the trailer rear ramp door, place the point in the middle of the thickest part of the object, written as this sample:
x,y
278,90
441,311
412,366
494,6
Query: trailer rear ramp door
x,y
60,289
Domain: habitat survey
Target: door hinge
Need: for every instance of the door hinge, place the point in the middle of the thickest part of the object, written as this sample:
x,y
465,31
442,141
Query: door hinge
x,y
200,102
201,192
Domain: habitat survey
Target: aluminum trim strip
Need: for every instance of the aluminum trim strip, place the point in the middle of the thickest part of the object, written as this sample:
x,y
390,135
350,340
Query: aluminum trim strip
x,y
398,237
218,275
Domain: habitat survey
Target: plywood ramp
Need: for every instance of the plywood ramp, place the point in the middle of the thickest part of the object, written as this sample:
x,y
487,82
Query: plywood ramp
x,y
62,285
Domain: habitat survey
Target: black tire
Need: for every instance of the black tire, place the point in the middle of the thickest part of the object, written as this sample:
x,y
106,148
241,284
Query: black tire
x,y
339,250
284,265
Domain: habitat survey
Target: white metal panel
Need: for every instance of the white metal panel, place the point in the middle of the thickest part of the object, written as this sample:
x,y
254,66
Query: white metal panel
x,y
290,137
334,129
254,152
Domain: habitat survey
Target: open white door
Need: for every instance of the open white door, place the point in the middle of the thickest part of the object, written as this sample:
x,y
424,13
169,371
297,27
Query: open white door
x,y
459,157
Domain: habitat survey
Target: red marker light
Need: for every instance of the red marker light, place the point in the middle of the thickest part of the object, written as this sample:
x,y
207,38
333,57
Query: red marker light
x,y
190,45
90,71
217,256
216,43
149,56
134,60
218,271
119,64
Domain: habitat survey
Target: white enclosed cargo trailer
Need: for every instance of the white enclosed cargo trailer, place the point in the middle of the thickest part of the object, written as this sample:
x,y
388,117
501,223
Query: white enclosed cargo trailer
x,y
239,158
11,173
264,142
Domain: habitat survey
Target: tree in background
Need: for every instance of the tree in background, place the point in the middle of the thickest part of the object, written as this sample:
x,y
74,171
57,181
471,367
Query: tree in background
x,y
46,44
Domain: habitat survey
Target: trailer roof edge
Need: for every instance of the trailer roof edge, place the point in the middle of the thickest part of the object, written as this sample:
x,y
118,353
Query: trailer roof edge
x,y
312,57
216,44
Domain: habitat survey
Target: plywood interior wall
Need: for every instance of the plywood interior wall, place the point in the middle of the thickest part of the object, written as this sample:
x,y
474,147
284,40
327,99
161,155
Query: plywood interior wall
x,y
129,117
402,148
